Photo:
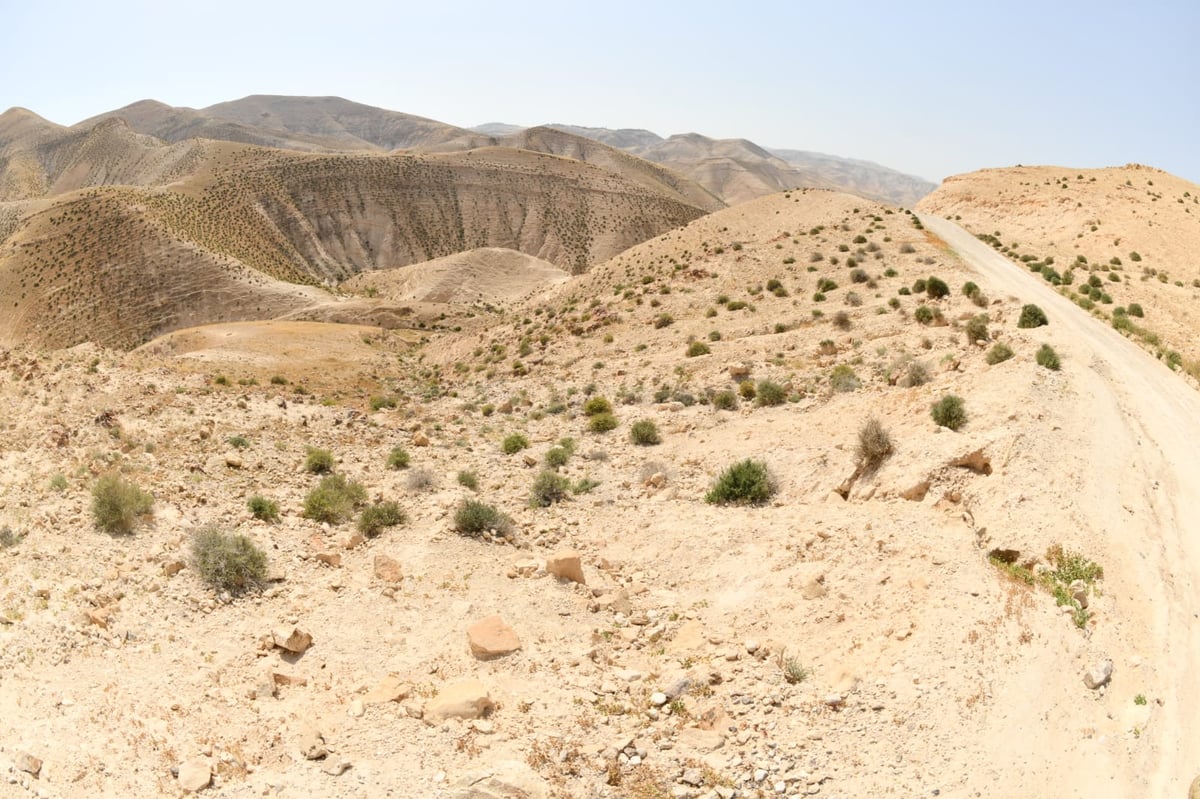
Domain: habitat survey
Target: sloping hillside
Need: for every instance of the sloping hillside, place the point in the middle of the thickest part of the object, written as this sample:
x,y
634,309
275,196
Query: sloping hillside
x,y
119,266
1121,242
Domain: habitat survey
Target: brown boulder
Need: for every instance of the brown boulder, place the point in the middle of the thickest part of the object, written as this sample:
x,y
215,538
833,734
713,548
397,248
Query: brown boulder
x,y
492,638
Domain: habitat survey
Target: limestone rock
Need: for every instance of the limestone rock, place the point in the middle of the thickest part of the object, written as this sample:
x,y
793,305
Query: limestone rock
x,y
390,689
1098,675
491,638
312,745
420,440
508,779
702,741
100,616
194,775
28,763
335,768
565,565
292,639
333,559
388,569
466,699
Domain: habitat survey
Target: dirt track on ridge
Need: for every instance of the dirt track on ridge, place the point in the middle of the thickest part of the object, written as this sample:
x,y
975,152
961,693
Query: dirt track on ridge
x,y
1145,448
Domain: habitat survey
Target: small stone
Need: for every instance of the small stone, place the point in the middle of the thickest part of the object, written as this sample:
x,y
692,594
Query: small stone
x,y
356,708
658,699
291,639
172,568
467,699
752,646
335,768
524,568
388,569
565,565
1079,592
420,440
1098,675
760,775
693,777
739,371
834,700
194,775
492,638
28,763
390,689
280,678
99,616
233,461
355,540
332,559
312,745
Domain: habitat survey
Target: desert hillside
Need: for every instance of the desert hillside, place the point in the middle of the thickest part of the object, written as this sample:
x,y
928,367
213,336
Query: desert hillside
x,y
884,601
1120,242
249,233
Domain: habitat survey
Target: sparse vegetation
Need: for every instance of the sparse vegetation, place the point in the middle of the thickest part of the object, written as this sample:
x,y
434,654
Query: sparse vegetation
x,y
473,518
977,329
950,411
334,500
747,482
397,458
374,519
644,433
514,443
1032,316
874,445
468,479
118,504
263,509
999,353
697,348
602,422
318,461
1047,357
227,561
549,487
769,393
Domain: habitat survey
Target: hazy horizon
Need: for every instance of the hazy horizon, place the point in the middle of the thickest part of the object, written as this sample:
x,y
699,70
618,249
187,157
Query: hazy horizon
x,y
929,89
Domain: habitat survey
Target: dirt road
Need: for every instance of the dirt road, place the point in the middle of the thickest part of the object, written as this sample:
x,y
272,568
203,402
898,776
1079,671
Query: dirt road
x,y
1146,447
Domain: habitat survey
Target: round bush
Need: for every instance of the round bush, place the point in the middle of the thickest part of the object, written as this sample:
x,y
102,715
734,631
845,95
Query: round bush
x,y
923,314
397,458
977,328
1047,357
557,457
263,509
949,412
602,422
597,405
874,445
373,519
936,288
998,354
747,482
548,488
644,432
697,348
226,561
769,393
474,518
118,504
1032,316
318,461
334,499
725,400
514,444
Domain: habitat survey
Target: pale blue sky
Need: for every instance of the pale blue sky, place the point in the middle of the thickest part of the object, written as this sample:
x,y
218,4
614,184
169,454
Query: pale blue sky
x,y
931,88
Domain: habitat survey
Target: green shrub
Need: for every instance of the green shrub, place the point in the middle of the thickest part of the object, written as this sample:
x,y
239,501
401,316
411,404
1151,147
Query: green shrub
x,y
977,328
468,479
118,504
917,374
1032,316
644,432
998,354
514,443
318,461
557,457
397,458
1047,357
602,423
969,289
334,499
918,286
474,518
924,314
1136,310
936,288
949,412
378,403
597,405
747,482
747,390
769,393
227,561
1135,256
843,379
725,400
697,348
375,518
548,488
278,380
874,445
663,320
238,442
263,509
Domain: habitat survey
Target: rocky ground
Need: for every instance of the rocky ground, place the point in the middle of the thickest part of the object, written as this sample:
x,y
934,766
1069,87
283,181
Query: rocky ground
x,y
851,637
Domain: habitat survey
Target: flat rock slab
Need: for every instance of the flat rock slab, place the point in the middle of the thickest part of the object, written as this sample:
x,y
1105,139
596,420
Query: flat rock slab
x,y
492,638
467,699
